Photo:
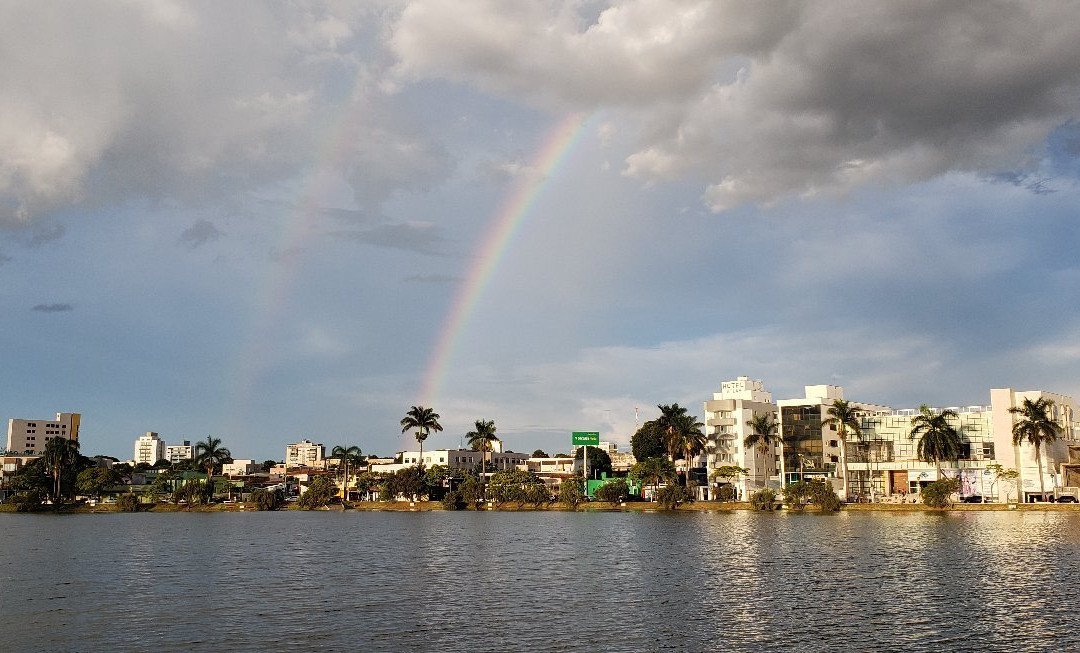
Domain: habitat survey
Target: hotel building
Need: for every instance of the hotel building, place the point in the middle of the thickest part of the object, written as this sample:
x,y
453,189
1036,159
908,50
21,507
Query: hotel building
x,y
726,415
149,448
305,453
174,453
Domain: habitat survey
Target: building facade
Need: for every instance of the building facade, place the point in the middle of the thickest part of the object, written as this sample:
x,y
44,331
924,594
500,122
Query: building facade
x,y
174,453
305,454
726,417
27,437
149,448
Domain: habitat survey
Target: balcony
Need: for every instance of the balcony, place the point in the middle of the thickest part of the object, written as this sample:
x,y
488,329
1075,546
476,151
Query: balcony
x,y
721,421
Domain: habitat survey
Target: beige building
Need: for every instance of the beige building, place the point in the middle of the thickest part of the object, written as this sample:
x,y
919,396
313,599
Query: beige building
x,y
174,453
305,453
149,448
27,437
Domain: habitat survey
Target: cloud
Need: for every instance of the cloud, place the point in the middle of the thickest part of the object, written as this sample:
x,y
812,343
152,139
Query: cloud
x,y
200,233
761,101
419,237
53,308
47,235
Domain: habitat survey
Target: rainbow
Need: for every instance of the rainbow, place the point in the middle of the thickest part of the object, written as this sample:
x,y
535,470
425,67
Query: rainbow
x,y
504,226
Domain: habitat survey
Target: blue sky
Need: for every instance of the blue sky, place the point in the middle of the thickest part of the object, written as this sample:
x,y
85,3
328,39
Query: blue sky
x,y
251,220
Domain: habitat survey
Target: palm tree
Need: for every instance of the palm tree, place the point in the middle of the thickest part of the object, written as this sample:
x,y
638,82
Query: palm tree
x,y
652,471
482,439
938,439
346,455
210,454
60,454
423,420
689,439
845,416
764,435
1036,427
667,423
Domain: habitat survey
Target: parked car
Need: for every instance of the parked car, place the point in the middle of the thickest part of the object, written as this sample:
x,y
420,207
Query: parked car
x,y
975,498
1066,498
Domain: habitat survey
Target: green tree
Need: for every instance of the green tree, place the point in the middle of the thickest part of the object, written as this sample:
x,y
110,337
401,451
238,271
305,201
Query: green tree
x,y
653,471
764,436
264,499
729,473
514,485
93,481
669,423
1036,426
482,438
690,440
670,496
539,453
210,455
60,455
939,493
267,465
571,493
319,491
346,455
821,493
764,499
648,441
614,491
938,439
127,503
845,417
423,420
599,460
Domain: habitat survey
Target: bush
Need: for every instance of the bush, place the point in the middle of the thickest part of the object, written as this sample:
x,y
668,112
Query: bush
x,y
453,501
472,493
29,501
670,496
938,494
614,491
194,491
264,499
725,493
537,494
570,493
127,503
821,493
763,500
320,491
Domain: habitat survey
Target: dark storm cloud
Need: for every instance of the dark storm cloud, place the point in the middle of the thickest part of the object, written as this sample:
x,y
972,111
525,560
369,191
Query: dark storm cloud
x,y
200,233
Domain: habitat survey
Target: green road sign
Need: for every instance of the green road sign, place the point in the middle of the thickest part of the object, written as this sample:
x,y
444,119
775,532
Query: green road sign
x,y
586,437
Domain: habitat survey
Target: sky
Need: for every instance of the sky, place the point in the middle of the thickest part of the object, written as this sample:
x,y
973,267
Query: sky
x,y
274,221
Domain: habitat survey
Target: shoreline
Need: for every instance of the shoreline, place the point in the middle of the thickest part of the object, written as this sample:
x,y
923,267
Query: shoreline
x,y
634,506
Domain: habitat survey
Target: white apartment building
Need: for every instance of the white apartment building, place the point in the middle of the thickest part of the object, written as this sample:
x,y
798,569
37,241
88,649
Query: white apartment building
x,y
241,468
305,453
726,415
174,453
888,455
27,437
149,448
456,459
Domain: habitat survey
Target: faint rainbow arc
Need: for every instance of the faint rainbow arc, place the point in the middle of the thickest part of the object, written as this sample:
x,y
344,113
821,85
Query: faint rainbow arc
x,y
557,144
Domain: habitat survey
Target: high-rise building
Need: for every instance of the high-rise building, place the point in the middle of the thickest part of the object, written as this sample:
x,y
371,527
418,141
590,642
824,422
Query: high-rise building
x,y
726,415
27,437
305,453
149,448
174,453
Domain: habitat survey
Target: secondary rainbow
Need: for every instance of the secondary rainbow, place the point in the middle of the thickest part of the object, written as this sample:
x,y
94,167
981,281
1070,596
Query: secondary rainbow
x,y
506,224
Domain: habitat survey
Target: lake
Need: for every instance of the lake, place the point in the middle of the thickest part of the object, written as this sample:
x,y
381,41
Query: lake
x,y
540,581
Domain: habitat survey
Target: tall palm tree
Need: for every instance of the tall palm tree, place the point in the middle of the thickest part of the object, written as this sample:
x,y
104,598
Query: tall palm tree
x,y
689,438
764,435
845,417
209,454
482,438
423,420
938,439
653,471
345,456
670,414
60,455
1036,427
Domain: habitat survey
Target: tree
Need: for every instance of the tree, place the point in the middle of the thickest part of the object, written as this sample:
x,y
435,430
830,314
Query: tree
x,y
690,439
514,485
729,472
570,493
845,417
319,491
1003,474
599,460
668,422
345,456
264,499
938,439
423,420
764,435
60,455
93,481
539,453
670,496
209,454
821,493
267,465
648,441
653,471
614,491
1036,427
764,499
482,438
939,493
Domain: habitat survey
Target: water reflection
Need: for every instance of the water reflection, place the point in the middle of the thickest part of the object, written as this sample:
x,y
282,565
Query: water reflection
x,y
548,581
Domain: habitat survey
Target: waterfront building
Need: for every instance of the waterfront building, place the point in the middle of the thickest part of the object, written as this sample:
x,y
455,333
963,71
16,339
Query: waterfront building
x,y
27,437
241,468
888,456
149,448
305,454
726,415
174,453
460,458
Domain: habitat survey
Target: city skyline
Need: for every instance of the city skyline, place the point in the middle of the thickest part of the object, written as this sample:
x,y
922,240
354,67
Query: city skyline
x,y
547,214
